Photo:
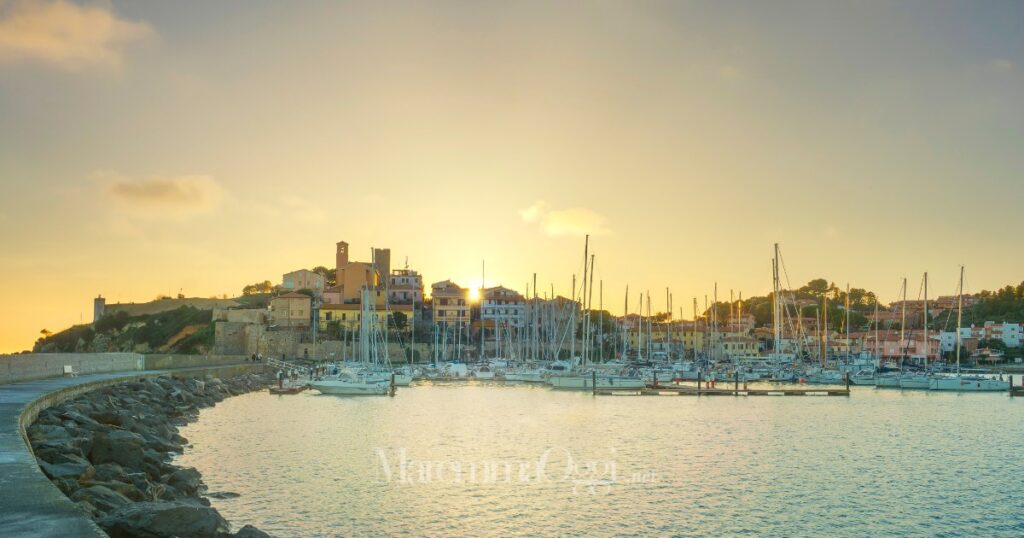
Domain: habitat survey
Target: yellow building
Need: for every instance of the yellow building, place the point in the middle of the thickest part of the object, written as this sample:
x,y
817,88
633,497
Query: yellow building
x,y
352,276
349,316
450,303
291,310
739,346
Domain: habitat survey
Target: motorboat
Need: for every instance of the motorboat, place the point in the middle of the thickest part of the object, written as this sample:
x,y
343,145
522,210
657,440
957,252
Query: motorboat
x,y
863,377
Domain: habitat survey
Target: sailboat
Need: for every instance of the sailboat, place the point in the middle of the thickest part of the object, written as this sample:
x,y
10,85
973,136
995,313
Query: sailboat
x,y
920,380
892,379
571,375
960,382
346,381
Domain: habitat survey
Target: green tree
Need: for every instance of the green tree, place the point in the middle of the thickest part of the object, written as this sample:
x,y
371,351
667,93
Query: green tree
x,y
330,275
400,320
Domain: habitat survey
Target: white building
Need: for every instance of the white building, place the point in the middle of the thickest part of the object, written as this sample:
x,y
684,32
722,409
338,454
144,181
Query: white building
x,y
405,286
504,306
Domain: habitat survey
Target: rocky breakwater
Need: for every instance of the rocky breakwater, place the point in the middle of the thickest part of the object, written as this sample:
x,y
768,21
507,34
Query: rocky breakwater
x,y
111,450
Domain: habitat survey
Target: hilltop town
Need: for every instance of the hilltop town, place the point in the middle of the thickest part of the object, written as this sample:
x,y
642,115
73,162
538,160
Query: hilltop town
x,y
316,313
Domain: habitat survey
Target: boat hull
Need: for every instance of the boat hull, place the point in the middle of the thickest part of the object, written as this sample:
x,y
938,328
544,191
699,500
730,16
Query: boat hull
x,y
965,384
892,382
525,377
346,388
915,382
586,382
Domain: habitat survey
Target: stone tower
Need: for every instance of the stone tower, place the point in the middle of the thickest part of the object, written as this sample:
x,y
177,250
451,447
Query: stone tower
x,y
341,259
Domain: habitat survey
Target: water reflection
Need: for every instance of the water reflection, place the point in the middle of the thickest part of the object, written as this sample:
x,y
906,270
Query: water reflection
x,y
879,462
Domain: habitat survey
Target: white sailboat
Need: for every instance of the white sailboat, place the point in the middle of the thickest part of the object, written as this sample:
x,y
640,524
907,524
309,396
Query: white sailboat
x,y
960,382
371,380
892,379
920,380
572,375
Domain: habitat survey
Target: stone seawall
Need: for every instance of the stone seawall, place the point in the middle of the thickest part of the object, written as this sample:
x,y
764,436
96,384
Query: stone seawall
x,y
108,447
30,505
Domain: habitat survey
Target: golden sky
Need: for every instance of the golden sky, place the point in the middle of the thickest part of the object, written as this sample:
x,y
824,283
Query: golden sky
x,y
152,147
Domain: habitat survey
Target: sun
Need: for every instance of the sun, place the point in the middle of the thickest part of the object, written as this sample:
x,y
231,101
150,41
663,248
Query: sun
x,y
474,294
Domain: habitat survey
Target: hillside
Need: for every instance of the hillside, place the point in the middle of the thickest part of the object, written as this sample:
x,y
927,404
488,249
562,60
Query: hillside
x,y
185,329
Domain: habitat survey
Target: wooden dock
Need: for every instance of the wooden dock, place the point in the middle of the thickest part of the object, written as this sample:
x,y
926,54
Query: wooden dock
x,y
694,391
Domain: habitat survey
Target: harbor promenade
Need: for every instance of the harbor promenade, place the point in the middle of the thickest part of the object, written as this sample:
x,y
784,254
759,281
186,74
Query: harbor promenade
x,y
30,505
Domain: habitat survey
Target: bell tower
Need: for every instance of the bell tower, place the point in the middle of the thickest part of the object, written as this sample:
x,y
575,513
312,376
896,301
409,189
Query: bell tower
x,y
341,258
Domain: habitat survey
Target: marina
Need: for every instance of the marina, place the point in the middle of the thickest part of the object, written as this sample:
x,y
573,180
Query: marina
x,y
721,464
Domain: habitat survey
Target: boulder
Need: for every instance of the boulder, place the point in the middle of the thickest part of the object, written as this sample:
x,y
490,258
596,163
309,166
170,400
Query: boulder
x,y
102,497
164,519
249,531
55,455
111,472
47,432
71,471
67,486
120,447
187,481
81,419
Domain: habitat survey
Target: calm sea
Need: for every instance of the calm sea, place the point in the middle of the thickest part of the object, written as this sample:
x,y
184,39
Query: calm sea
x,y
518,460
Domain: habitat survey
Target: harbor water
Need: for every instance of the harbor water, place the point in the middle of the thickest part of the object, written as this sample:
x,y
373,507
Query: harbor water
x,y
525,460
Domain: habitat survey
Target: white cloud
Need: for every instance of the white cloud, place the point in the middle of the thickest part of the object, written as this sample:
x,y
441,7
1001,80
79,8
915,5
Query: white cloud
x,y
65,35
572,221
178,196
532,213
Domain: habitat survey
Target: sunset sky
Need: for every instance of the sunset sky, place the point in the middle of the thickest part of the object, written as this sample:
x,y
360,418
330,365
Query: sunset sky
x,y
149,147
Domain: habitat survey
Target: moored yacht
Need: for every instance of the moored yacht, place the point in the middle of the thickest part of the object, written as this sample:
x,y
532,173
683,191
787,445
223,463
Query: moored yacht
x,y
346,382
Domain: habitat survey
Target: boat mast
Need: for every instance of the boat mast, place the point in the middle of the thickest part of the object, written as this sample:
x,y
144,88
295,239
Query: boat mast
x,y
903,325
824,330
959,317
926,321
707,330
583,296
626,327
846,306
776,327
600,320
572,321
878,356
714,325
590,308
650,328
412,327
535,344
694,343
668,325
